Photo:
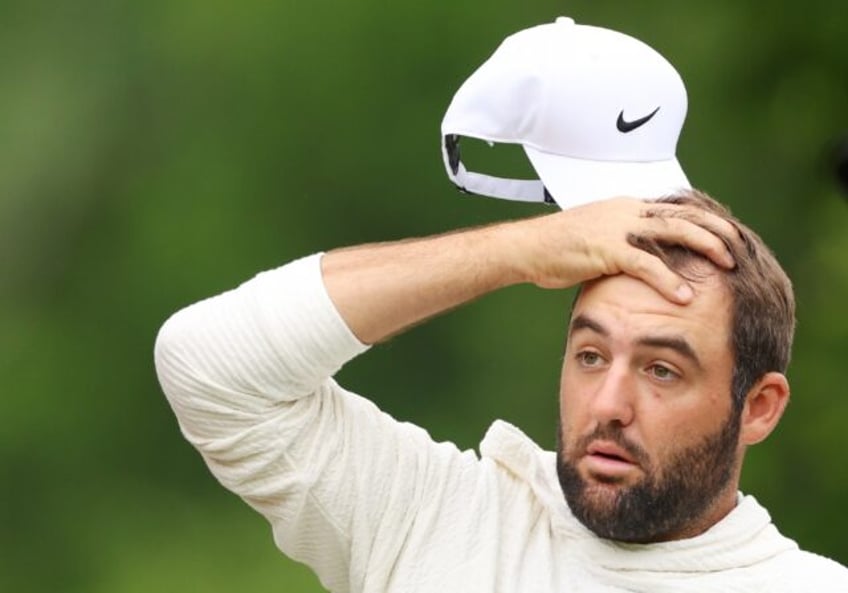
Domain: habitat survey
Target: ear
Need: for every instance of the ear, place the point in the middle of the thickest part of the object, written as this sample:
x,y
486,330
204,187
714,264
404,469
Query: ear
x,y
764,406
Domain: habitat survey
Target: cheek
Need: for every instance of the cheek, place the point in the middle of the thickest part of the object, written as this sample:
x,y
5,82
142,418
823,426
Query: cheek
x,y
574,403
665,438
565,391
680,427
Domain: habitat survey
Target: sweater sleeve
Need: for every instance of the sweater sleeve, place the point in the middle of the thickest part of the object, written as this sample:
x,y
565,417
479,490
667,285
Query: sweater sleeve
x,y
229,359
249,375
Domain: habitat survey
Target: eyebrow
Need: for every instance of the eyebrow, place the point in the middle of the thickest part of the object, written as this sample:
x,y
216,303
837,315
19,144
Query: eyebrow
x,y
584,322
676,343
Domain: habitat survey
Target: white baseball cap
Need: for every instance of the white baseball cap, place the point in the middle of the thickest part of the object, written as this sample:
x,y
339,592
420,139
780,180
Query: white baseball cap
x,y
598,113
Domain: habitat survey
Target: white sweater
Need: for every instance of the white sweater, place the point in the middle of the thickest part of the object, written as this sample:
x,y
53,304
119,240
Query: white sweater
x,y
375,505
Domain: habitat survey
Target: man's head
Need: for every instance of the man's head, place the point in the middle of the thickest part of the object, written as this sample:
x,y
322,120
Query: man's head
x,y
658,400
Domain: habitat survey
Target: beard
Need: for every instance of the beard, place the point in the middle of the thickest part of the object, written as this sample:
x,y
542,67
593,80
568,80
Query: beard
x,y
665,501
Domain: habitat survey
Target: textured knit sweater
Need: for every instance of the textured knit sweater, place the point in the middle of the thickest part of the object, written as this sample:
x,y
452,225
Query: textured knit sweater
x,y
375,505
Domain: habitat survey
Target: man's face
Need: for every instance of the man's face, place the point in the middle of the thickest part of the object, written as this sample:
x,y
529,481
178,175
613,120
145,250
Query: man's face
x,y
648,443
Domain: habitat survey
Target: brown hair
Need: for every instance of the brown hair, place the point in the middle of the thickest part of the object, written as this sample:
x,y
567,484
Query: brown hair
x,y
763,308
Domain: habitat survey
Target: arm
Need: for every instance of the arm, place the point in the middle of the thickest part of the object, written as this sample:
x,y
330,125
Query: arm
x,y
383,289
248,374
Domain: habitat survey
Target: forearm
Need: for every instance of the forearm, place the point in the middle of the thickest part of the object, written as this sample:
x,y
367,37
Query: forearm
x,y
384,288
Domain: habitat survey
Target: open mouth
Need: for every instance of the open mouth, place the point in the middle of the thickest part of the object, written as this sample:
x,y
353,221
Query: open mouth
x,y
611,456
608,462
609,451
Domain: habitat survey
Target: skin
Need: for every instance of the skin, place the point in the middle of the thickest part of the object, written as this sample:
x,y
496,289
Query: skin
x,y
661,373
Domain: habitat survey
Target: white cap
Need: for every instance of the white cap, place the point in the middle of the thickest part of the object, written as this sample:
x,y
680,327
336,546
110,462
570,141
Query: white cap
x,y
598,113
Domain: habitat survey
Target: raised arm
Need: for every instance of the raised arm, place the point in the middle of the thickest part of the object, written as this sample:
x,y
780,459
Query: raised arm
x,y
384,288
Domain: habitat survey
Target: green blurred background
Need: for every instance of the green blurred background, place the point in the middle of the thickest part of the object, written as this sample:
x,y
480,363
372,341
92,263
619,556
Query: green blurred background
x,y
154,153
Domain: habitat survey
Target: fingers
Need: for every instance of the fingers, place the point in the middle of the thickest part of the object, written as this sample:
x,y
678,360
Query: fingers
x,y
695,229
625,235
653,271
723,226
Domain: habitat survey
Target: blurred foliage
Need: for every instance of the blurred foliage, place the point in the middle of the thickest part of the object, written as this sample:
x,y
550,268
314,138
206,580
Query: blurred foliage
x,y
155,153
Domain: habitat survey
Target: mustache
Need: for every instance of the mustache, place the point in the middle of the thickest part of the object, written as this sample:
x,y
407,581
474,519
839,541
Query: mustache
x,y
615,434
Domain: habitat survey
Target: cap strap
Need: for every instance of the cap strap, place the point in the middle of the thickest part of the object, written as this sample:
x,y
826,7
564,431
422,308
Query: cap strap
x,y
521,190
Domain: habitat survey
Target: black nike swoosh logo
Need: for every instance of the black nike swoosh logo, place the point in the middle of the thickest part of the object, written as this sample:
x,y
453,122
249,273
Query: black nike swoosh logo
x,y
628,126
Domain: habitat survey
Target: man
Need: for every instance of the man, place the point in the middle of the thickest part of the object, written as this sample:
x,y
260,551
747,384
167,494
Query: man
x,y
674,364
659,401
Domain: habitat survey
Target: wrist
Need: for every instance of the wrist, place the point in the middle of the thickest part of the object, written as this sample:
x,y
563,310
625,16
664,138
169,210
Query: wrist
x,y
507,250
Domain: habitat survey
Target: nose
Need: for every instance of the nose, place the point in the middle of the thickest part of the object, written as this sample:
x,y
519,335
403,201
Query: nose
x,y
614,397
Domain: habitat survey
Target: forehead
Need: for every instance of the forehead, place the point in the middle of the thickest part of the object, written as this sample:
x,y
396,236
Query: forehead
x,y
625,306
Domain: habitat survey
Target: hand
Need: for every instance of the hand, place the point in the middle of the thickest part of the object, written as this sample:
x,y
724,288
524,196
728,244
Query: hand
x,y
597,239
382,289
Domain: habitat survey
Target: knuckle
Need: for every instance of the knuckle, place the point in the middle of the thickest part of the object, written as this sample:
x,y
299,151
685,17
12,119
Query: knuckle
x,y
639,263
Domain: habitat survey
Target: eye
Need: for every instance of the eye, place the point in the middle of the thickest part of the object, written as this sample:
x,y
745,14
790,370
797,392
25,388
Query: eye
x,y
589,359
662,373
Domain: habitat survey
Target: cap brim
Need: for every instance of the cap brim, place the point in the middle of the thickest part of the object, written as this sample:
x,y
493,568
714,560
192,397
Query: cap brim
x,y
572,181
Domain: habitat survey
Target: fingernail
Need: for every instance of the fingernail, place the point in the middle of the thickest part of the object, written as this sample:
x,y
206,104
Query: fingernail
x,y
684,292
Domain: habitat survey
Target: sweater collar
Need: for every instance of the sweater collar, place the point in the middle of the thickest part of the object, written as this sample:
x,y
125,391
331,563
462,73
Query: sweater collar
x,y
746,536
